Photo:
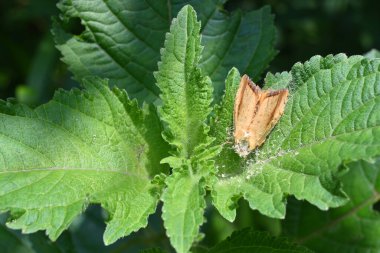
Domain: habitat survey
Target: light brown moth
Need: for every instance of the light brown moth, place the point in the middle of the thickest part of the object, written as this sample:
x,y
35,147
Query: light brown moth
x,y
256,112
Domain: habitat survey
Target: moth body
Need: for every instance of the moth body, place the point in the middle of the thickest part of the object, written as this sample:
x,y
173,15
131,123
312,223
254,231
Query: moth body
x,y
256,112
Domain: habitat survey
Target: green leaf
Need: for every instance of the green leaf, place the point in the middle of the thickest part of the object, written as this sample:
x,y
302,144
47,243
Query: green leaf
x,y
186,97
122,41
249,240
186,94
222,125
331,117
372,54
223,119
88,146
279,80
243,40
353,227
183,209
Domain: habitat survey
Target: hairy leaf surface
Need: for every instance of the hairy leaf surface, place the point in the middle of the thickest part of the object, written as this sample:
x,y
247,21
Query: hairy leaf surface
x,y
331,116
186,97
186,94
222,124
353,227
122,40
183,209
85,146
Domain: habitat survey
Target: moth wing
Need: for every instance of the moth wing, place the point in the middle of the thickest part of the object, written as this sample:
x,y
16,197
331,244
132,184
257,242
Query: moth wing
x,y
271,106
245,108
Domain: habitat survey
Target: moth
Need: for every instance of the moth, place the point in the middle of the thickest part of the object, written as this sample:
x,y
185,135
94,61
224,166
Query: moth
x,y
256,112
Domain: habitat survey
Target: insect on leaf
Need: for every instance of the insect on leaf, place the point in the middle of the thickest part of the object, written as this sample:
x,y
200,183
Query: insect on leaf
x,y
256,112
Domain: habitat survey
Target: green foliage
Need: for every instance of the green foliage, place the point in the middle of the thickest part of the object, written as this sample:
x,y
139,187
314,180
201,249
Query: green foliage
x,y
96,145
85,146
355,226
222,122
183,209
186,94
122,41
331,117
186,97
374,53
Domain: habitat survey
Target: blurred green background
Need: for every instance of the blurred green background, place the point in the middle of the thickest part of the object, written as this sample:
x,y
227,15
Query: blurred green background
x,y
30,68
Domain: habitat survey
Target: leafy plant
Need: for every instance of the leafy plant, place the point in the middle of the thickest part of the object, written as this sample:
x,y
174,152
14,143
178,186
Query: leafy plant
x,y
354,226
138,132
122,41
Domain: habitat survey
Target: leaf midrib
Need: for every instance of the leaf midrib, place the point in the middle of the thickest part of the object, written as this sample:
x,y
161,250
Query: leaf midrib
x,y
182,214
76,137
270,159
258,43
70,169
39,207
322,99
120,64
55,126
299,148
284,154
128,28
211,73
189,70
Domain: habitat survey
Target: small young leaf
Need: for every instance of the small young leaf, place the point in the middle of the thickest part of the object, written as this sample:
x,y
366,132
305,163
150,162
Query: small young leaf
x,y
331,116
353,227
89,146
223,119
122,41
249,240
222,125
183,209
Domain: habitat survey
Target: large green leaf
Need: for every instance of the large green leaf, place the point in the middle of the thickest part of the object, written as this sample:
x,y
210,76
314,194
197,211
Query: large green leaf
x,y
331,116
186,94
354,227
249,240
122,40
186,97
85,146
